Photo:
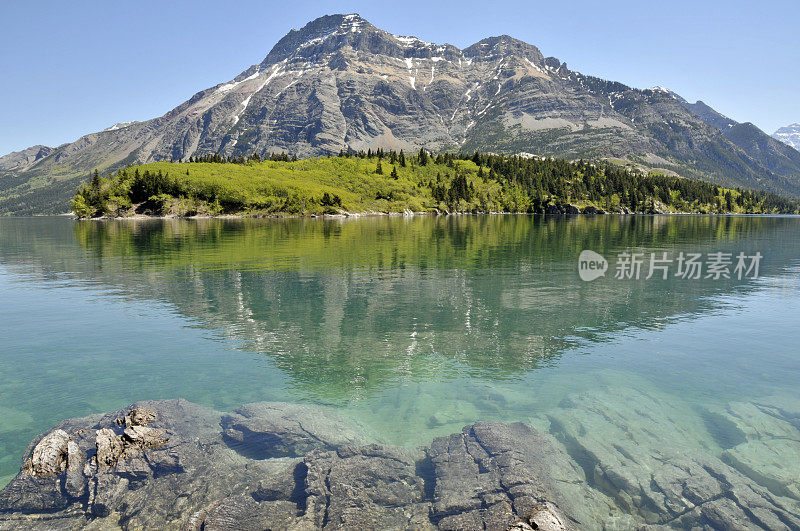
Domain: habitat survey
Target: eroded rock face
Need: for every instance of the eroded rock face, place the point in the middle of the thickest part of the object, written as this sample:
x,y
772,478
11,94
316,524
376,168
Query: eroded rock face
x,y
116,467
140,416
50,456
366,487
490,477
136,436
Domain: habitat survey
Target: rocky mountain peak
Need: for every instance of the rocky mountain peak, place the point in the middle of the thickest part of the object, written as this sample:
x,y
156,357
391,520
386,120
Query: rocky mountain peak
x,y
315,33
25,158
789,135
501,46
330,34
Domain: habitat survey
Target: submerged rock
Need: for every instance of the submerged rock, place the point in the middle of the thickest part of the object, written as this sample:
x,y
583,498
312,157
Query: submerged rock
x,y
653,456
762,441
366,487
490,475
274,429
613,458
191,467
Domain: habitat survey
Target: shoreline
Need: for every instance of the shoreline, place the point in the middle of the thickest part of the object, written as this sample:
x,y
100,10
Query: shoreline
x,y
410,214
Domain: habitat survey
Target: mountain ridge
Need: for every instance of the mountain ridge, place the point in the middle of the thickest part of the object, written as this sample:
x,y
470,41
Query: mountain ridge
x,y
340,82
789,135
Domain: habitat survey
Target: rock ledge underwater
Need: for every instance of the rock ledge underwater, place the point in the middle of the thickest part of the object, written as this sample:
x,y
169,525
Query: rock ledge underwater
x,y
271,465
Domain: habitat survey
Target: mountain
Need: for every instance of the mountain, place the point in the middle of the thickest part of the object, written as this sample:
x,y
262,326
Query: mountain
x,y
771,153
341,82
789,135
709,115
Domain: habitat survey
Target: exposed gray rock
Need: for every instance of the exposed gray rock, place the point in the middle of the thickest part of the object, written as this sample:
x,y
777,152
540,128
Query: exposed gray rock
x,y
21,160
109,448
366,487
141,416
274,429
491,475
49,457
142,480
136,436
571,210
181,471
592,210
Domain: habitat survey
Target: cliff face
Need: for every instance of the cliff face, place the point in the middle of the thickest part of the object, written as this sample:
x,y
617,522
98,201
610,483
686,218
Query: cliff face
x,y
341,82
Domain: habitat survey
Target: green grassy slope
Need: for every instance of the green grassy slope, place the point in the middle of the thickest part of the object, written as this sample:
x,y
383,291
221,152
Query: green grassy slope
x,y
398,183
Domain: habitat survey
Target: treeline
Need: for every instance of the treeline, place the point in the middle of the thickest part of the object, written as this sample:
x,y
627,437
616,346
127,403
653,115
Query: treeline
x,y
216,158
394,181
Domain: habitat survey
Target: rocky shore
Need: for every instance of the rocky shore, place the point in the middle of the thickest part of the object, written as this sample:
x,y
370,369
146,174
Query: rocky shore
x,y
551,210
175,464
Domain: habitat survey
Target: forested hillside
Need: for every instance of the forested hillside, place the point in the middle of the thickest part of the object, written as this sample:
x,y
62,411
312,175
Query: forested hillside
x,y
385,182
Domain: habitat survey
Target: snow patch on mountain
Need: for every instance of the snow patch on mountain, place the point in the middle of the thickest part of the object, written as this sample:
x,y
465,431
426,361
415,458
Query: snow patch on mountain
x,y
789,135
408,41
121,125
277,70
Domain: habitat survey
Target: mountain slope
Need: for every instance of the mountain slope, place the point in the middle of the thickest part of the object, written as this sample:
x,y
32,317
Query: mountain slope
x,y
771,153
340,82
789,135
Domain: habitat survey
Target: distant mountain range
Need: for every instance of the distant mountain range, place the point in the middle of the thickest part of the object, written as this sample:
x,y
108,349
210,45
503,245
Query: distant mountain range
x,y
789,135
341,82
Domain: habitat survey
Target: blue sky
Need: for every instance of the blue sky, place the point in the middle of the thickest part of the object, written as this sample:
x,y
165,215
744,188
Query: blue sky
x,y
70,68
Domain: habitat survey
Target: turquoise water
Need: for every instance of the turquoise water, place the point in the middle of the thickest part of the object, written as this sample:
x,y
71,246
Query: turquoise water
x,y
414,327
